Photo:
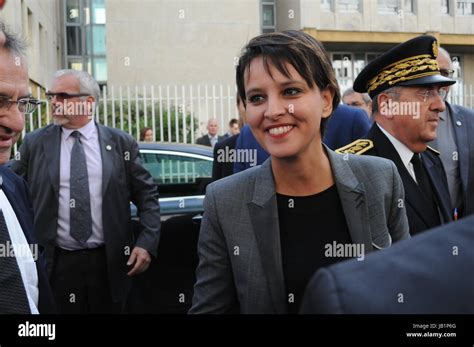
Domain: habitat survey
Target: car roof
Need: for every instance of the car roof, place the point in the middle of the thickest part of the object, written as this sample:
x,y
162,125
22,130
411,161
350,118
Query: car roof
x,y
177,147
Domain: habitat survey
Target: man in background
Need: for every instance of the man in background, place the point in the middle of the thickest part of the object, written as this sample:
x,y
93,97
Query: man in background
x,y
82,177
234,129
211,138
455,143
360,100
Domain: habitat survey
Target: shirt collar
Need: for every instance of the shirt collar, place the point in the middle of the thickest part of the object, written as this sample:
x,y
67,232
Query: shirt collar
x,y
403,151
87,130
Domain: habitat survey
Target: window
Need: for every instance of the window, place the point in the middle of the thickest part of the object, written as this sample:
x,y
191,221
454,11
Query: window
x,y
348,65
326,5
100,69
408,6
466,7
388,6
445,6
73,11
177,174
268,17
348,5
74,40
85,37
98,12
96,40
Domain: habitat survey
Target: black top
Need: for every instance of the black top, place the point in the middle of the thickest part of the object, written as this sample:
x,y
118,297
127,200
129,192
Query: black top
x,y
309,226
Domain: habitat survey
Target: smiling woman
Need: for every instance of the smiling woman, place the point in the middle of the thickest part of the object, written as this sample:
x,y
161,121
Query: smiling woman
x,y
266,230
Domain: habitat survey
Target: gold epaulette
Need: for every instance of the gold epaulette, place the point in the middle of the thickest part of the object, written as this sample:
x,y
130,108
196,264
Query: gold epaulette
x,y
433,150
357,147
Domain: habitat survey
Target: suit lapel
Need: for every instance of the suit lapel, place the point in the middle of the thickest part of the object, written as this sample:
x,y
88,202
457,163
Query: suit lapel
x,y
51,143
264,216
353,200
107,150
413,195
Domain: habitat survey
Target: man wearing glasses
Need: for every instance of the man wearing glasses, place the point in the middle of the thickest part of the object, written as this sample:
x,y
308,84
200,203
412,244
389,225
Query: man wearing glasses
x,y
408,93
82,177
455,143
24,287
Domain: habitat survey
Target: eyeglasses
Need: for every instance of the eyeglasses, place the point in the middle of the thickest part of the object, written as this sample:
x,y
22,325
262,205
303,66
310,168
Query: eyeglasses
x,y
430,94
25,105
446,73
62,96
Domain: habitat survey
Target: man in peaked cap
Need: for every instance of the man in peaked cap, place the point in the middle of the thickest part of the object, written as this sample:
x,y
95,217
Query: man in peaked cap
x,y
408,92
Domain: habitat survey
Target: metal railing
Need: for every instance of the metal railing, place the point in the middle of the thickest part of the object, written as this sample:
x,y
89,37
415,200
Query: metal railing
x,y
177,113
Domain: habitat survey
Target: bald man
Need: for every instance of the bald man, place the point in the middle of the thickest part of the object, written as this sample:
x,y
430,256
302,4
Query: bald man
x,y
211,138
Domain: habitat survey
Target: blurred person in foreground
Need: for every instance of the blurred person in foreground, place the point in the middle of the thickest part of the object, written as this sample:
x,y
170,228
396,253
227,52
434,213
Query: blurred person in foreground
x,y
429,274
266,230
24,286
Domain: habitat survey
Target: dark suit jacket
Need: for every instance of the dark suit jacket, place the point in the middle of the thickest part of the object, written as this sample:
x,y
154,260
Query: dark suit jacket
x,y
429,274
124,179
16,191
204,140
463,123
223,168
418,217
346,125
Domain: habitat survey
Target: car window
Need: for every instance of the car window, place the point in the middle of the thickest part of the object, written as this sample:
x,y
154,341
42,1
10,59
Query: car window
x,y
178,175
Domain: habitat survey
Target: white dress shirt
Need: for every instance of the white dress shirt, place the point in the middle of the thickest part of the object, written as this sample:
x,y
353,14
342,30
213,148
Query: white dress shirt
x,y
403,151
90,141
23,254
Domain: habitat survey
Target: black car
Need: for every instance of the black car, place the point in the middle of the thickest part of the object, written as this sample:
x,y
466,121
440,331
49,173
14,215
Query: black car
x,y
182,173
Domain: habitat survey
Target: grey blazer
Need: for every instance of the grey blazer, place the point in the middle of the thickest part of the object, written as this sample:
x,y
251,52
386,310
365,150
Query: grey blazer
x,y
240,263
124,179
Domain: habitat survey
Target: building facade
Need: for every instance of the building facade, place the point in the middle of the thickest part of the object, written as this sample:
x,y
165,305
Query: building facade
x,y
39,22
356,31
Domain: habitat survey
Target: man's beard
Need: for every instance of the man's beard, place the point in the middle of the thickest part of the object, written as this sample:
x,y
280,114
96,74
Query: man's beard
x,y
60,120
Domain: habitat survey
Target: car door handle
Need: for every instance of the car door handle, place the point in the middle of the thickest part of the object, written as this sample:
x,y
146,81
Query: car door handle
x,y
197,218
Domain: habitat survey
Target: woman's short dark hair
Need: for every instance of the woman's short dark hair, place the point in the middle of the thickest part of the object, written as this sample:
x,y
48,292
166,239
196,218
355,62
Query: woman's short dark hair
x,y
143,133
306,54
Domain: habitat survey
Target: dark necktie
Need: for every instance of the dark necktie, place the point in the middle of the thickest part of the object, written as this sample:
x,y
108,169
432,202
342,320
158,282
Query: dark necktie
x,y
422,177
13,299
80,202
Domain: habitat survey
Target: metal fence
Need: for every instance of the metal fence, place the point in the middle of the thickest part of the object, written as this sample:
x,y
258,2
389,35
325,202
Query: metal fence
x,y
177,113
